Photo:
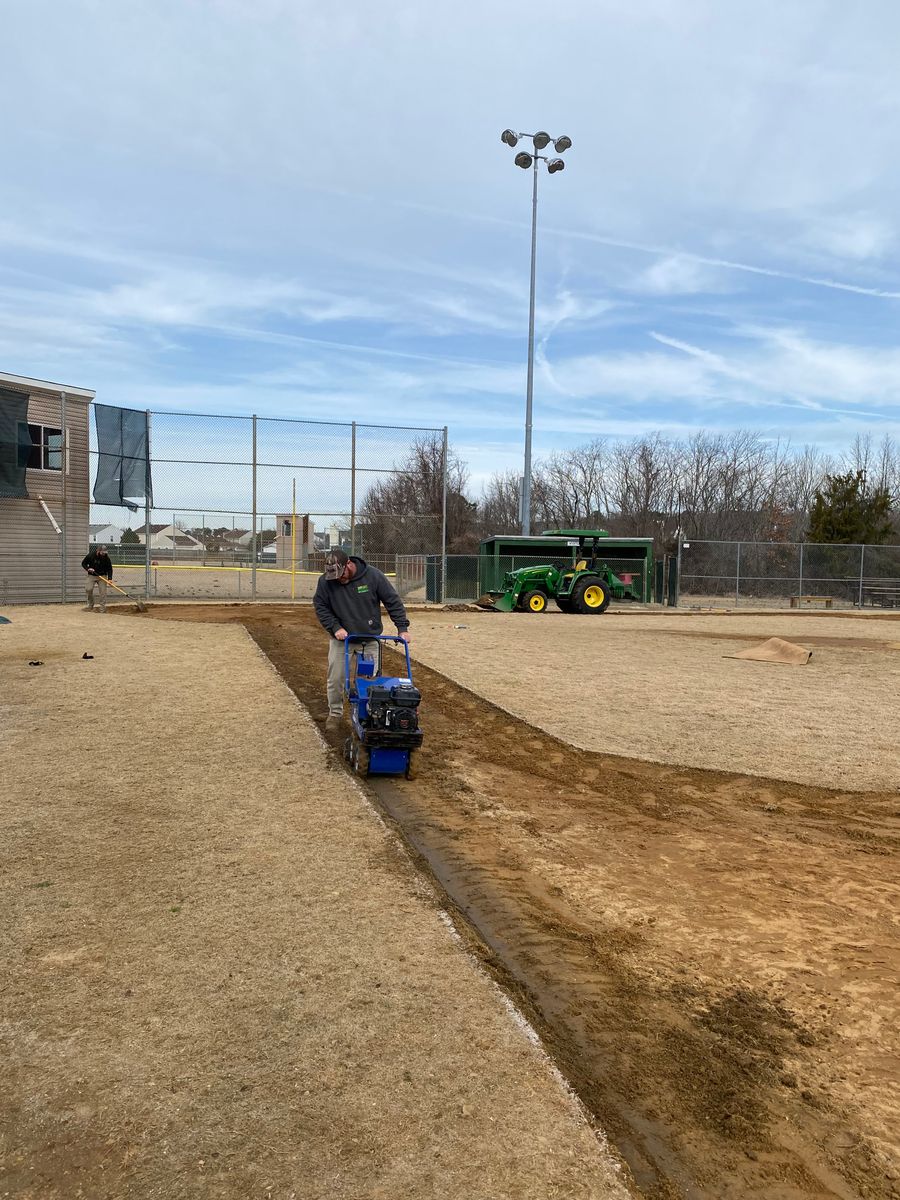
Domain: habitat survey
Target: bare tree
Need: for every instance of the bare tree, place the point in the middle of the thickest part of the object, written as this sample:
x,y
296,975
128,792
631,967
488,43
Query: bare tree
x,y
401,513
568,487
499,506
736,486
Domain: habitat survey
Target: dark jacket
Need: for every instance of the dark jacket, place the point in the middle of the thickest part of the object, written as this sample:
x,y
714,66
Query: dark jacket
x,y
356,606
100,564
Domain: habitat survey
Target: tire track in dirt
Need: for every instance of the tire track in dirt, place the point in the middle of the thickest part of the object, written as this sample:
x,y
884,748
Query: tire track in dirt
x,y
710,1087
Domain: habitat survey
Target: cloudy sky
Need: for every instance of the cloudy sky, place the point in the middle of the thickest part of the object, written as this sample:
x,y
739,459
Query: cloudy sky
x,y
305,210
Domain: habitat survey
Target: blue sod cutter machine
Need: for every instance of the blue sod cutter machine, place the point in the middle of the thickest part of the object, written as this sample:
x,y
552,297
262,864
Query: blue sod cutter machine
x,y
384,715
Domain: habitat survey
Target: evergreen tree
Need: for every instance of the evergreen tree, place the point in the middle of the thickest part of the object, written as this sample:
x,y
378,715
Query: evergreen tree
x,y
845,512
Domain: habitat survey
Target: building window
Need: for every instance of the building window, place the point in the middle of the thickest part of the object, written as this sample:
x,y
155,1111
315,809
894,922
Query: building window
x,y
45,451
285,529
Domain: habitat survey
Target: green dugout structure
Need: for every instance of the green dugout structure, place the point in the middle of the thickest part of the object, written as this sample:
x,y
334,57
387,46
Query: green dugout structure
x,y
629,559
469,576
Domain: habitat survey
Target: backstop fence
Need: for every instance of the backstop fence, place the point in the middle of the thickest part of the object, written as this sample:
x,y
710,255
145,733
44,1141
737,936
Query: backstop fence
x,y
246,507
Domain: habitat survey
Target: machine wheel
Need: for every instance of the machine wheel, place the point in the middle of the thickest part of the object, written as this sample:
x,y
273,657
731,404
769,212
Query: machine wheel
x,y
412,764
348,750
590,595
534,601
361,759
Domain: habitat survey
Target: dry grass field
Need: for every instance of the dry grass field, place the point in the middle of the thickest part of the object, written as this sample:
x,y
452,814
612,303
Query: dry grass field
x,y
221,976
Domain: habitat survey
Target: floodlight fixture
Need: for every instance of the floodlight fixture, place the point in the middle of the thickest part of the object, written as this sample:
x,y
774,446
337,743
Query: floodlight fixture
x,y
526,161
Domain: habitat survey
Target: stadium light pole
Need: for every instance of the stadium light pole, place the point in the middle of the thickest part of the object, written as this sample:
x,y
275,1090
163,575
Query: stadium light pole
x,y
526,161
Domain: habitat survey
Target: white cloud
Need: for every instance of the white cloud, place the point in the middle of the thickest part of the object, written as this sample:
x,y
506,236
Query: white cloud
x,y
858,237
679,275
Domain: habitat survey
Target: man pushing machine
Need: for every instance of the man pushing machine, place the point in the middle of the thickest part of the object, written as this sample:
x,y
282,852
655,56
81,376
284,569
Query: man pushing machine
x,y
348,599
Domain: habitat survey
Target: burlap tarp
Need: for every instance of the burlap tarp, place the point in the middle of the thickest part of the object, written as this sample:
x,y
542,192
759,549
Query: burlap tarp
x,y
776,650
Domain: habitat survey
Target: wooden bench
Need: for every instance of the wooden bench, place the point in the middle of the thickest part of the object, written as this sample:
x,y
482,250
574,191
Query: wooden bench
x,y
887,596
797,601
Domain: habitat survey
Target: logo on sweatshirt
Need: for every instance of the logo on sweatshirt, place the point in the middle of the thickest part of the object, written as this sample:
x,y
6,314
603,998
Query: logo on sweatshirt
x,y
363,587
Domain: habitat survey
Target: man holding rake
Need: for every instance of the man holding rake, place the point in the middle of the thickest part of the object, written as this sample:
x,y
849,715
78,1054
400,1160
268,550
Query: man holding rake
x,y
98,565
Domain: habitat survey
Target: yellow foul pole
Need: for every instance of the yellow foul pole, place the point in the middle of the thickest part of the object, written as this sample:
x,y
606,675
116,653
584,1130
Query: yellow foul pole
x,y
293,536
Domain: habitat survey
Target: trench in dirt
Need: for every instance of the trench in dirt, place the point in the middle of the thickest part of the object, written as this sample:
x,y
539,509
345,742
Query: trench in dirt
x,y
685,1074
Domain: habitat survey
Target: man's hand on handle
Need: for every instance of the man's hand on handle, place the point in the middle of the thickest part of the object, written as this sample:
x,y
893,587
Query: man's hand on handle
x,y
342,635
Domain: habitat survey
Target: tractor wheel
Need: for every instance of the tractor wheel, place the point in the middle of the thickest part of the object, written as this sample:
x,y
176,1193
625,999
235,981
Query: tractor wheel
x,y
535,602
412,764
348,750
590,595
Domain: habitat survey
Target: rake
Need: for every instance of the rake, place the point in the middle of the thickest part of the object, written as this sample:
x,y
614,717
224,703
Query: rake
x,y
138,604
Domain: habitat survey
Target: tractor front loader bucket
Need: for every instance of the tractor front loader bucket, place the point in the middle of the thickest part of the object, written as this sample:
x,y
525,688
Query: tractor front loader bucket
x,y
497,601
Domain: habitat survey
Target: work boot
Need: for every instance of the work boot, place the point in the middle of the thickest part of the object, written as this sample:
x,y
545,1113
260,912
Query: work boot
x,y
333,722
88,608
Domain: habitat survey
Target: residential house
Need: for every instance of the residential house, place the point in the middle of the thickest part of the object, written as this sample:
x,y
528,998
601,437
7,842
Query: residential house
x,y
105,535
172,539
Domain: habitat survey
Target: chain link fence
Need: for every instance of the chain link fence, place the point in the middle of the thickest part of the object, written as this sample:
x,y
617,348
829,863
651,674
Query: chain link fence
x,y
788,575
248,507
711,574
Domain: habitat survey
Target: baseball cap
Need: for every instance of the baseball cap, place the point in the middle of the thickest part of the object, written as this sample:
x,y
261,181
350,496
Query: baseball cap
x,y
335,561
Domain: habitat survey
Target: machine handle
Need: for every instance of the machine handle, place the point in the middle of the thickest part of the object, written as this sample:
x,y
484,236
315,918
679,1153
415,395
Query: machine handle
x,y
375,637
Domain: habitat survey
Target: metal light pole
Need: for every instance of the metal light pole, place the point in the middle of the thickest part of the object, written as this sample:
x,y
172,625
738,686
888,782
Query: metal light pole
x,y
525,160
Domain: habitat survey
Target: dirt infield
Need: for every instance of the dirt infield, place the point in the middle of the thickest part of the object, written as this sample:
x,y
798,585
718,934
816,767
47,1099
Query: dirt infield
x,y
221,976
660,688
712,957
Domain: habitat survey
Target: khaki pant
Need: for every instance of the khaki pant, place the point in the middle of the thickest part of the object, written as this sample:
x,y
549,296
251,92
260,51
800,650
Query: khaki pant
x,y
336,669
98,582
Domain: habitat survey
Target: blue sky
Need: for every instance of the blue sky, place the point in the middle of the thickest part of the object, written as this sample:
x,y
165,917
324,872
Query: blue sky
x,y
305,210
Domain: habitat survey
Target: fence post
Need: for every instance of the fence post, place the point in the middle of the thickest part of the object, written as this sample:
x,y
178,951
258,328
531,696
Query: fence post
x,y
353,488
862,566
253,539
444,523
737,577
801,570
64,452
147,516
678,570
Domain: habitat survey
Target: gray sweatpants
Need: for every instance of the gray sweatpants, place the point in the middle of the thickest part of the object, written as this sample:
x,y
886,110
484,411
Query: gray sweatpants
x,y
336,669
98,582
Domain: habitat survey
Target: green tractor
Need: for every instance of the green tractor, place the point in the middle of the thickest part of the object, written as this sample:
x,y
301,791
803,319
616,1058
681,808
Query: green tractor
x,y
585,585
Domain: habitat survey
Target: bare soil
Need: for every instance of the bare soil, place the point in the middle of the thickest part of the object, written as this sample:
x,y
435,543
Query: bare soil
x,y
712,957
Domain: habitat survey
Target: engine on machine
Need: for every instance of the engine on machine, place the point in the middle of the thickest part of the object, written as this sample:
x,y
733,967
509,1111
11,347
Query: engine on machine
x,y
394,708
